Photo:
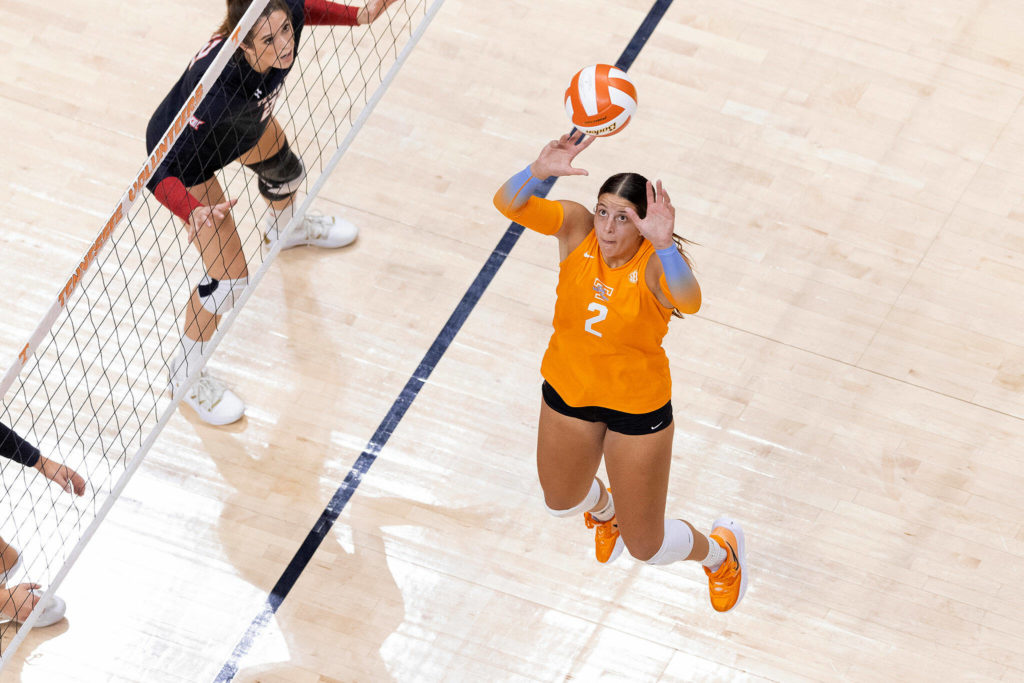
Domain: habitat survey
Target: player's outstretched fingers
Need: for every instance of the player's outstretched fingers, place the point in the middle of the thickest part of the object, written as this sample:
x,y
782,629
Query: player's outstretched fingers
x,y
662,194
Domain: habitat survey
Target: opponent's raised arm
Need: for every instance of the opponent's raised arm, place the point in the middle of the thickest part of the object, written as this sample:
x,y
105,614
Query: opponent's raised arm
x,y
373,10
327,13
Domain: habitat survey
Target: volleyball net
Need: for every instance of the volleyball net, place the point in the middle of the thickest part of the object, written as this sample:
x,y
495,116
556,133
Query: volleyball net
x,y
90,388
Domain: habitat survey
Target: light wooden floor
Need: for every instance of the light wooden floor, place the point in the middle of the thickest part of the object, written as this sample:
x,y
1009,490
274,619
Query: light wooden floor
x,y
851,390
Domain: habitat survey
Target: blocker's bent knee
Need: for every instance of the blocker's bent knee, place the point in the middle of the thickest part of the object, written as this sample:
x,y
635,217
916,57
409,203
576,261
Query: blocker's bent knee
x,y
593,496
281,175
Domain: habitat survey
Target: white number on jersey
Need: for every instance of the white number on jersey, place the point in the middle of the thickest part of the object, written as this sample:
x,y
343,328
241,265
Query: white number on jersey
x,y
214,42
602,313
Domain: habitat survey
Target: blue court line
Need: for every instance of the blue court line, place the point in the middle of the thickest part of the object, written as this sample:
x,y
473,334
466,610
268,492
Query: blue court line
x,y
412,388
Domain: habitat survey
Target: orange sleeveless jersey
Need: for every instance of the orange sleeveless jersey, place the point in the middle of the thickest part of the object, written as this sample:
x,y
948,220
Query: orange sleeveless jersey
x,y
606,348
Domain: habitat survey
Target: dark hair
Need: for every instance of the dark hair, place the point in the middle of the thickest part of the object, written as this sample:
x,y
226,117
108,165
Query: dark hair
x,y
236,8
633,188
630,186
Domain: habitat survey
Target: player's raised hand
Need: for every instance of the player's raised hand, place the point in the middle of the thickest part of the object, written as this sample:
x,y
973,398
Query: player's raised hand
x,y
659,222
208,217
557,156
372,10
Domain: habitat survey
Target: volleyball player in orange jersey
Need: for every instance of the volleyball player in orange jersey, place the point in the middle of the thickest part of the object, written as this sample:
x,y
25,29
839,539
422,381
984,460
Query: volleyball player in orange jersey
x,y
607,390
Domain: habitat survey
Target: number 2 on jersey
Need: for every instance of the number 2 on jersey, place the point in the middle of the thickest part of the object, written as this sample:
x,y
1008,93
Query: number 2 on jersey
x,y
602,313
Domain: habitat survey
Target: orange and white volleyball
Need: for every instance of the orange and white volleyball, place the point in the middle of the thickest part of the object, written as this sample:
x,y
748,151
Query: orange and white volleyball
x,y
600,100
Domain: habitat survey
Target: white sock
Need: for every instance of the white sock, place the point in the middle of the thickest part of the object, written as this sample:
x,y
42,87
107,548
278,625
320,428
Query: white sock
x,y
278,220
605,513
189,356
716,555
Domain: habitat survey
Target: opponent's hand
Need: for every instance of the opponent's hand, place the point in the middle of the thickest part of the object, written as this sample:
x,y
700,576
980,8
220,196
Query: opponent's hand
x,y
659,223
18,602
373,9
208,217
556,157
62,475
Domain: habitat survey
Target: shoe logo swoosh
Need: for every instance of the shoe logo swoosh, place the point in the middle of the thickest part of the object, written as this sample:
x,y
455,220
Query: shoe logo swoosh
x,y
735,556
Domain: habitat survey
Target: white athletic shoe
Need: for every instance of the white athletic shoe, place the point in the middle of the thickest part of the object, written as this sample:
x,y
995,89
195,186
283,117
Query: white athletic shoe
x,y
212,400
53,611
315,230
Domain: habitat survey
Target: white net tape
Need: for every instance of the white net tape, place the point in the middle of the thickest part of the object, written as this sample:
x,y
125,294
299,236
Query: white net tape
x,y
90,389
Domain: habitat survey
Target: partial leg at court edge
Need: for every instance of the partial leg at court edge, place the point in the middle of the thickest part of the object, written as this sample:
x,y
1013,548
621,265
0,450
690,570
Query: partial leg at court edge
x,y
208,396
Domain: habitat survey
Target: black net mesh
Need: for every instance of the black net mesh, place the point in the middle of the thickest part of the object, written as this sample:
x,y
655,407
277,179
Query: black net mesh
x,y
93,392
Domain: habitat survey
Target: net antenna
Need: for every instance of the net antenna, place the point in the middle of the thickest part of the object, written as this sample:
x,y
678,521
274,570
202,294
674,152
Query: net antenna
x,y
90,387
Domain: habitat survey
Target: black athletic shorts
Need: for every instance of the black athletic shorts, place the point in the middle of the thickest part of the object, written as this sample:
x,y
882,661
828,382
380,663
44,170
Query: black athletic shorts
x,y
198,156
617,421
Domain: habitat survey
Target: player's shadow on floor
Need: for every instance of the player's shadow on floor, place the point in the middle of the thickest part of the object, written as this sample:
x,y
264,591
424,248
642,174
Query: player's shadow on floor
x,y
12,670
346,603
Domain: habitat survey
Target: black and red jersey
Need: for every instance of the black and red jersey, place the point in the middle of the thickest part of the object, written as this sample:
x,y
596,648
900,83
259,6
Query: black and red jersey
x,y
16,448
233,114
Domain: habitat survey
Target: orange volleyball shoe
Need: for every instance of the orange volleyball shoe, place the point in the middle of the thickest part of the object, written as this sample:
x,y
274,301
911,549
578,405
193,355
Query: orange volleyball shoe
x,y
728,583
607,545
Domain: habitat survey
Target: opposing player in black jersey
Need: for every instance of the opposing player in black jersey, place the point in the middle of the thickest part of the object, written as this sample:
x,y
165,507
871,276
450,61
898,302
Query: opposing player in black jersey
x,y
235,122
17,602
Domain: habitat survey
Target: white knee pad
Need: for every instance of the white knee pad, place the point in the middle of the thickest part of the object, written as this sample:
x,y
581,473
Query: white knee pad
x,y
219,296
677,544
588,502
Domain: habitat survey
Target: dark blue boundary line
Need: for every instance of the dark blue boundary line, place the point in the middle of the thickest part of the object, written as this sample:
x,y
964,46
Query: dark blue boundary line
x,y
412,388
